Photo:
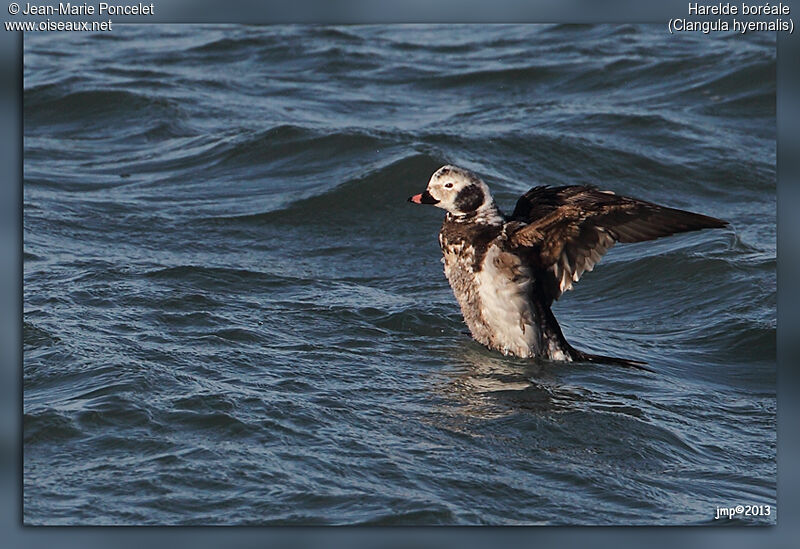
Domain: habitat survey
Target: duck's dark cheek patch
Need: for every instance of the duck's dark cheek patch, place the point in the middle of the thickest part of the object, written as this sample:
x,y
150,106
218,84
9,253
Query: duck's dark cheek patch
x,y
469,199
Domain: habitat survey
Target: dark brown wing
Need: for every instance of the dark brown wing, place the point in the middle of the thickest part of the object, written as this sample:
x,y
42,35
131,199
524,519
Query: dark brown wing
x,y
569,229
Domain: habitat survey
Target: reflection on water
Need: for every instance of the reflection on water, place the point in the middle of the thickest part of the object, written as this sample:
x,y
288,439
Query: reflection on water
x,y
483,384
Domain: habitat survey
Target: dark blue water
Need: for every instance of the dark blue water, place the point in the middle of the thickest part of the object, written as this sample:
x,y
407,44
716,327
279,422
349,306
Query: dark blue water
x,y
233,316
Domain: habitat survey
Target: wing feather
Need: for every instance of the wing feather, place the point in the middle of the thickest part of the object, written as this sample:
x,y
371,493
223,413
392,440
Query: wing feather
x,y
569,229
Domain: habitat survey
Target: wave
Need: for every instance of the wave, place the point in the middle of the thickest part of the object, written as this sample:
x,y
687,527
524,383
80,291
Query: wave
x,y
745,75
232,45
284,142
36,337
519,76
371,194
48,426
211,277
52,104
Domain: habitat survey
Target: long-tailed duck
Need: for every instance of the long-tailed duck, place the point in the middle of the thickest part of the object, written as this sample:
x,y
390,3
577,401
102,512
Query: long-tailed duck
x,y
506,271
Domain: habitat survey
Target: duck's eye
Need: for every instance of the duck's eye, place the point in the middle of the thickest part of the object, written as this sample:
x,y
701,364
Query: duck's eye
x,y
448,185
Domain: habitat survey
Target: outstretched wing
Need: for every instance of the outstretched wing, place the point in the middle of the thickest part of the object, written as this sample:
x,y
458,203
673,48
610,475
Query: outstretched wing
x,y
569,229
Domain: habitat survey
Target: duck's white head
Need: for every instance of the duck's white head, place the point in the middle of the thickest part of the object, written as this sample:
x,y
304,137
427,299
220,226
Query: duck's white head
x,y
460,192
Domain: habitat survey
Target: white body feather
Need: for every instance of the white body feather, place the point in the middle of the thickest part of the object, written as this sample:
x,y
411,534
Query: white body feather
x,y
505,306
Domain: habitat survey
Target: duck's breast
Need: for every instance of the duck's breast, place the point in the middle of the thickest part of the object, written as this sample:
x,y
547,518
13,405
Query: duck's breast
x,y
503,291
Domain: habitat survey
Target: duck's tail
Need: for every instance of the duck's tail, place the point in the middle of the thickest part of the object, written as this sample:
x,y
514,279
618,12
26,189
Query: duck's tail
x,y
553,338
580,356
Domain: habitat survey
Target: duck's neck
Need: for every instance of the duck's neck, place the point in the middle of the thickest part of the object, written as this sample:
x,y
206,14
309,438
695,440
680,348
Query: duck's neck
x,y
487,214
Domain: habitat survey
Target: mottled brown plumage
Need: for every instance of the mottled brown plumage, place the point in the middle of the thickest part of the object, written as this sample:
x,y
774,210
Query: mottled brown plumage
x,y
506,272
570,228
